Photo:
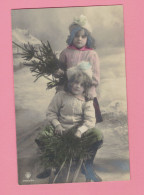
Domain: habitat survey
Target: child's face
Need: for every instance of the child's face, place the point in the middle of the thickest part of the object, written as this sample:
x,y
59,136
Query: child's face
x,y
80,39
77,88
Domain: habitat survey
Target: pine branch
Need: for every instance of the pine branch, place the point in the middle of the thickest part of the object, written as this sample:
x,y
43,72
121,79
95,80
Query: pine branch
x,y
58,151
44,63
62,147
29,51
18,46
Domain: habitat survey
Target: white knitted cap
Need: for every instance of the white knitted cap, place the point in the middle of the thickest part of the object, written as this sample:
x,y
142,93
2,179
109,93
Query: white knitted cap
x,y
80,21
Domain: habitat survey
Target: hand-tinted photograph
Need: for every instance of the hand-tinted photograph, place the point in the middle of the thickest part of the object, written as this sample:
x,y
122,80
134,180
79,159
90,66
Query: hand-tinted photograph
x,y
70,95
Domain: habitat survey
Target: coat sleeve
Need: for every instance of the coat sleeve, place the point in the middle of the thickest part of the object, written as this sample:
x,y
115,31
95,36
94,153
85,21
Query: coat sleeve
x,y
94,60
62,59
89,117
52,113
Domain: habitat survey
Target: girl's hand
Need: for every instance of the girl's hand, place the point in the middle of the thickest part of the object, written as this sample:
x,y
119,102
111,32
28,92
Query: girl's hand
x,y
59,130
91,93
59,73
78,134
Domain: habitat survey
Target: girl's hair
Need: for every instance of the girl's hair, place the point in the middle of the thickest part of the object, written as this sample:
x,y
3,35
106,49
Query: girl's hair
x,y
91,43
79,77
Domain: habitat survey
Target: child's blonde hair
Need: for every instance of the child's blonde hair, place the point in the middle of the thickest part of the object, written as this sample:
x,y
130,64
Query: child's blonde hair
x,y
79,77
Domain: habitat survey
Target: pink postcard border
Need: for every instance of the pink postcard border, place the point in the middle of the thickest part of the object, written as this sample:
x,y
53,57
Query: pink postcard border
x,y
134,41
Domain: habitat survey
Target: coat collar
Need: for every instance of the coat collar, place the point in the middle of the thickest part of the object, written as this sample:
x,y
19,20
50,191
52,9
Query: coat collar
x,y
81,49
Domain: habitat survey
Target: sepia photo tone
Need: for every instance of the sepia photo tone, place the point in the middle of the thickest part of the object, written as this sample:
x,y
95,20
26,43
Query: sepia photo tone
x,y
34,98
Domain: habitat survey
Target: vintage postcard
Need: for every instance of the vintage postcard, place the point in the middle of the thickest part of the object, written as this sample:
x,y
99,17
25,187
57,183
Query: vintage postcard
x,y
70,95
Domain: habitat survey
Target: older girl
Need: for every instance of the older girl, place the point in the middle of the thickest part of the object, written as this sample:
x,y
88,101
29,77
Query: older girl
x,y
81,47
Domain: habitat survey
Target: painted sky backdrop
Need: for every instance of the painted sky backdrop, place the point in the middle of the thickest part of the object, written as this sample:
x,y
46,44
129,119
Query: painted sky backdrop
x,y
52,24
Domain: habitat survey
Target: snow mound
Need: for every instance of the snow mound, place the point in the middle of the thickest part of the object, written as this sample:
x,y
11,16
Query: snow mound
x,y
118,107
113,96
23,36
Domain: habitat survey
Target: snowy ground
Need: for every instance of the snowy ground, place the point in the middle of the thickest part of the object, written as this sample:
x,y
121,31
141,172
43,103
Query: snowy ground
x,y
32,99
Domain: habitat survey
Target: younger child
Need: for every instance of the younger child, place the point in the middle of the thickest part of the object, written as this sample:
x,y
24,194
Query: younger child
x,y
81,47
70,108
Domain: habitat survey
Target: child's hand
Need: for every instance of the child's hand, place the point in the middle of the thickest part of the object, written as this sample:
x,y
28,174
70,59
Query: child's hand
x,y
91,93
59,73
78,134
59,130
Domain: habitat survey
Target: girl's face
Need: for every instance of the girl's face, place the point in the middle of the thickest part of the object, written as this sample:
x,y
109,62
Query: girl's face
x,y
77,88
80,39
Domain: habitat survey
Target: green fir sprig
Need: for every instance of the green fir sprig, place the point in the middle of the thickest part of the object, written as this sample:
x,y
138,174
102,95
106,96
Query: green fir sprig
x,y
60,150
43,62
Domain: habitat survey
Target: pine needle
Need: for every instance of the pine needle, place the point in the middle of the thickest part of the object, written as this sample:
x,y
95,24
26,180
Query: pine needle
x,y
60,150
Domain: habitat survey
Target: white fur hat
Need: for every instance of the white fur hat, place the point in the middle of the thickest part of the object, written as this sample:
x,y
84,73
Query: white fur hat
x,y
80,21
84,66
